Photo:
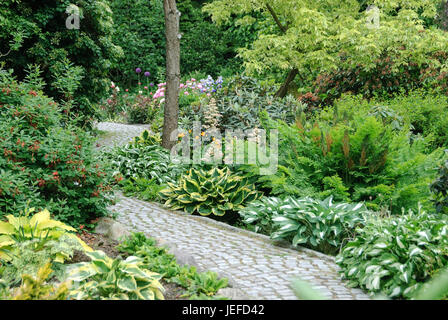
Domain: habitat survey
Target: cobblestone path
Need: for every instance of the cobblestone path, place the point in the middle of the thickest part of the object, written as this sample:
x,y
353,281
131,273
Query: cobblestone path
x,y
257,267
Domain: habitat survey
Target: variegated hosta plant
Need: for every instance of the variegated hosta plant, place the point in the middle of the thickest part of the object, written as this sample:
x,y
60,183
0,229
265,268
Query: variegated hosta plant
x,y
321,225
105,278
209,192
34,227
394,256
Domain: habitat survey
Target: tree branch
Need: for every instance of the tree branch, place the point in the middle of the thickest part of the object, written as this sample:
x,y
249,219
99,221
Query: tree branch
x,y
274,15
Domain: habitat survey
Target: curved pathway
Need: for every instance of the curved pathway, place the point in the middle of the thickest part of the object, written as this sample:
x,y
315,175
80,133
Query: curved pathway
x,y
257,267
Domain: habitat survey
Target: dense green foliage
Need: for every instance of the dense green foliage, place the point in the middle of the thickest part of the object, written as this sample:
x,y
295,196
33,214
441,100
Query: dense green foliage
x,y
314,36
46,163
36,33
204,47
395,255
353,154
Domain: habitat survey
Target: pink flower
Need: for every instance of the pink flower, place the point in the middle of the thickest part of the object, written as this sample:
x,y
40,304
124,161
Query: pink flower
x,y
146,87
193,79
186,93
127,90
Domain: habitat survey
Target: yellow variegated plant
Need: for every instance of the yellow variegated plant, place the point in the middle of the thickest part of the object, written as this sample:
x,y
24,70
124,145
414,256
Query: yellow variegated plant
x,y
105,278
37,288
210,192
37,226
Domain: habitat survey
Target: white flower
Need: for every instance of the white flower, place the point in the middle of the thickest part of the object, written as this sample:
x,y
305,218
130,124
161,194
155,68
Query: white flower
x,y
118,89
140,92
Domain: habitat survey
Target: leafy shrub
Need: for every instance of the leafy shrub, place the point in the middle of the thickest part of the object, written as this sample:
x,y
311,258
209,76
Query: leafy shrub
x,y
130,107
435,289
396,255
321,225
104,278
38,227
54,166
209,192
64,56
382,80
258,214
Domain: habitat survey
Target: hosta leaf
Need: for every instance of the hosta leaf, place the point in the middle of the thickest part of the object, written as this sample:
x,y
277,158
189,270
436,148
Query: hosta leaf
x,y
6,228
184,198
127,283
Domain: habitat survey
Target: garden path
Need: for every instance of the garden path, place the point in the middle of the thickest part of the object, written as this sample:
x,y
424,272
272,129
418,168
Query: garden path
x,y
257,267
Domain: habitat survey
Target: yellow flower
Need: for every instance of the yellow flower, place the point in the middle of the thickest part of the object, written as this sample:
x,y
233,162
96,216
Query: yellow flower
x,y
202,133
181,135
197,137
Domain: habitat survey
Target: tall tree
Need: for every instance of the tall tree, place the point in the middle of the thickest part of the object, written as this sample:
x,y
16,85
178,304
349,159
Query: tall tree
x,y
172,34
303,37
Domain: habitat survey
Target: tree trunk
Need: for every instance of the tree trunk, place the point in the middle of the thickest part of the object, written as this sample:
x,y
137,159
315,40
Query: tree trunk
x,y
281,93
172,34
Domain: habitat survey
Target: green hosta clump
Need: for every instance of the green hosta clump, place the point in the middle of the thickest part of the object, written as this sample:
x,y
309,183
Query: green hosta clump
x,y
209,192
321,225
144,161
396,255
105,278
